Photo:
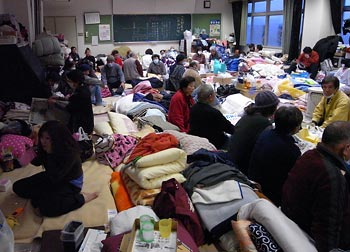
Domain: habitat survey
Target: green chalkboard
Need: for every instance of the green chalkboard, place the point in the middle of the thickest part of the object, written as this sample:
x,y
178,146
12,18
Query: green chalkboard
x,y
92,29
202,21
129,28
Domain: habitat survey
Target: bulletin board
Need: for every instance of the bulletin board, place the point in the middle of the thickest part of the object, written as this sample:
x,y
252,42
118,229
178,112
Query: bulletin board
x,y
207,21
91,30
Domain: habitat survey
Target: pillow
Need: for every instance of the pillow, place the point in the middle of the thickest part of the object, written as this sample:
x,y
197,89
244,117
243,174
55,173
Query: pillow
x,y
103,128
262,239
120,194
121,124
190,143
18,145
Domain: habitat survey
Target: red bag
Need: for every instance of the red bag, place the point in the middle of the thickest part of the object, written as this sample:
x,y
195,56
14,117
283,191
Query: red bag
x,y
173,202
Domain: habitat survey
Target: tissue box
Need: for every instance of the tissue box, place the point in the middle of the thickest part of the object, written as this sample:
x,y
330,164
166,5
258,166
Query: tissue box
x,y
5,184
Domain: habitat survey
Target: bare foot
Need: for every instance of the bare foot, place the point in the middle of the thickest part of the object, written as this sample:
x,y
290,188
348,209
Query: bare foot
x,y
89,196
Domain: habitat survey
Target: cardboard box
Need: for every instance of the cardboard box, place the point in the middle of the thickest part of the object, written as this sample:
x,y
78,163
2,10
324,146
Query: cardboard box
x,y
223,81
155,245
205,75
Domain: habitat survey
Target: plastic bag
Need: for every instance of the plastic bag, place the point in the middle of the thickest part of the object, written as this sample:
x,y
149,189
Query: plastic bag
x,y
7,242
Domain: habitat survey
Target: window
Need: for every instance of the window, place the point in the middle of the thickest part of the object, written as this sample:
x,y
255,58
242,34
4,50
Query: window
x,y
265,22
346,15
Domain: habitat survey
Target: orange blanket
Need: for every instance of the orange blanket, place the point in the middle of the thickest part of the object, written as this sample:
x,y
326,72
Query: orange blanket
x,y
153,143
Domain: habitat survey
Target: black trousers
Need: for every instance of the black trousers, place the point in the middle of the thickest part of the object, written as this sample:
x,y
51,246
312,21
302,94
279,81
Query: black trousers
x,y
51,199
115,85
312,69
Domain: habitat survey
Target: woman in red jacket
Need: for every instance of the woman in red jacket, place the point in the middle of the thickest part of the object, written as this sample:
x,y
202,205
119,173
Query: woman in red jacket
x,y
180,104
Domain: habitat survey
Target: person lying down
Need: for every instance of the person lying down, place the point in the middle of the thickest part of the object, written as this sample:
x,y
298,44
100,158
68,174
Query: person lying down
x,y
57,190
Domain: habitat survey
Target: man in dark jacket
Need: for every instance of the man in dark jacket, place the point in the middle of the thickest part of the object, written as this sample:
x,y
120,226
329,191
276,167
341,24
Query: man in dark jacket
x,y
316,194
208,122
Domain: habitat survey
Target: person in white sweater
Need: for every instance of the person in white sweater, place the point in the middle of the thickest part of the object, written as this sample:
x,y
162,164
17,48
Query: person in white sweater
x,y
343,74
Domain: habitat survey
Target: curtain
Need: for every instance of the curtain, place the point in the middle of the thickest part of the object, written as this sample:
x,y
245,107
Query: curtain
x,y
287,27
336,15
243,40
294,47
237,17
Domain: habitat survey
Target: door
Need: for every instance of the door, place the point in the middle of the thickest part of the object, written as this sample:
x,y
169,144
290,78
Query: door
x,y
64,25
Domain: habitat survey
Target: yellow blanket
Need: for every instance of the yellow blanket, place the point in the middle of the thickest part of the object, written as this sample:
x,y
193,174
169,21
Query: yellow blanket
x,y
150,171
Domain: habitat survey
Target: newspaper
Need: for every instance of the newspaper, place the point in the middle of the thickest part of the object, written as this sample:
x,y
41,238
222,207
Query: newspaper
x,y
41,111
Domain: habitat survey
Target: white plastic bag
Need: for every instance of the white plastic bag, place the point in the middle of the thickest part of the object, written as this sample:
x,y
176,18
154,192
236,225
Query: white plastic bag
x,y
7,242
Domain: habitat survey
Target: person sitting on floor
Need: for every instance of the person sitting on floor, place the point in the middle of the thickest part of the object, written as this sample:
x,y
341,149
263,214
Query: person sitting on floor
x,y
94,85
57,190
275,153
316,193
343,74
334,105
132,68
249,127
192,71
117,59
208,122
176,72
74,54
79,106
251,47
214,55
113,76
180,104
89,58
308,60
199,56
157,66
147,59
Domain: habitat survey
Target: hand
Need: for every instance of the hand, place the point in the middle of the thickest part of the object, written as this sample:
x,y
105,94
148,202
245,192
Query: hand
x,y
306,55
122,85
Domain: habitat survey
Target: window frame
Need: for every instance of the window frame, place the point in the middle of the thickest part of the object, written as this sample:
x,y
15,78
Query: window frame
x,y
267,15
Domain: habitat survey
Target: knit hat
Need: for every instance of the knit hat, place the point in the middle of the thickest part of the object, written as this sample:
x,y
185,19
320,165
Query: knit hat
x,y
84,67
266,99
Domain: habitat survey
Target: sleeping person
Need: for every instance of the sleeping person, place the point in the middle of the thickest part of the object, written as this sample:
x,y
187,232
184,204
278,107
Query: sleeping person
x,y
57,190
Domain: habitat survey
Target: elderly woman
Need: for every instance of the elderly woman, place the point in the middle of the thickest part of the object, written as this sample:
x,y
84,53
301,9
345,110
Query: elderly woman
x,y
176,72
214,55
157,66
180,104
199,56
248,128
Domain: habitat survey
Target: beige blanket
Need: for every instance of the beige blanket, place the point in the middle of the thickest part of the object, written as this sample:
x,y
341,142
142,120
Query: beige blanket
x,y
94,213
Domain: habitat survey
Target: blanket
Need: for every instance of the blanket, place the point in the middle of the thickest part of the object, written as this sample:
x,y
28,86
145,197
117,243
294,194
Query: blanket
x,y
138,195
94,213
150,171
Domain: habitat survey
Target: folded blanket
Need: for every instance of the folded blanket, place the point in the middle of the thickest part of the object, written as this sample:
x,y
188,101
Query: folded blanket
x,y
141,109
138,195
150,171
191,144
222,192
153,143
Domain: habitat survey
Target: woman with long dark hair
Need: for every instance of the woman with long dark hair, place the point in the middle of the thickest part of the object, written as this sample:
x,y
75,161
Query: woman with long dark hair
x,y
57,190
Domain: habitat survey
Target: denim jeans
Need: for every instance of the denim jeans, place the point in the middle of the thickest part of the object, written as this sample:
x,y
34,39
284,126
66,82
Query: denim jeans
x,y
96,96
